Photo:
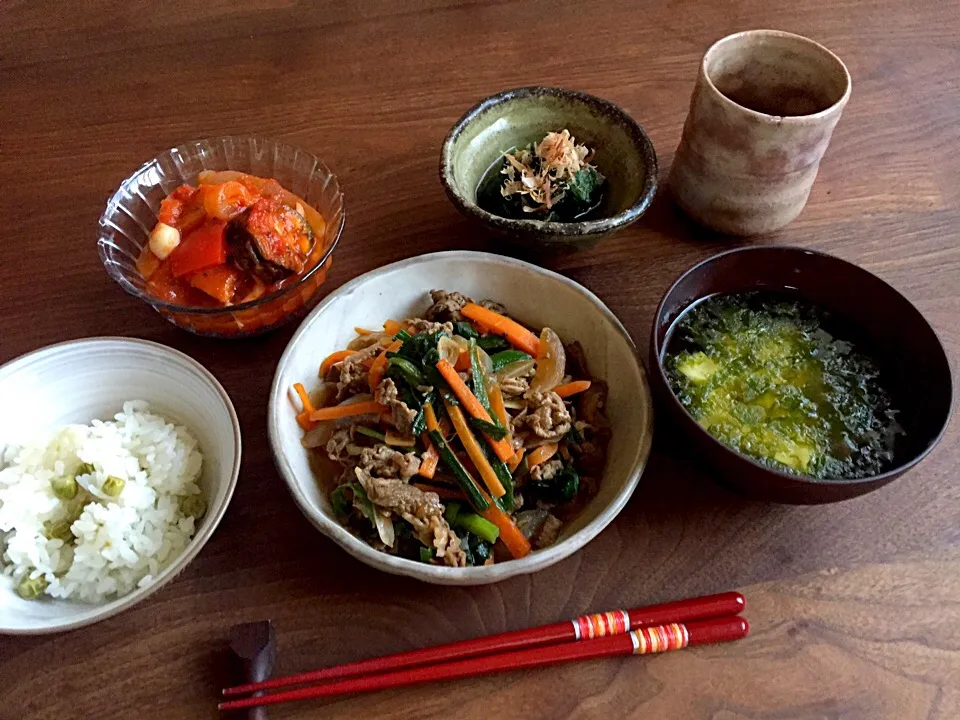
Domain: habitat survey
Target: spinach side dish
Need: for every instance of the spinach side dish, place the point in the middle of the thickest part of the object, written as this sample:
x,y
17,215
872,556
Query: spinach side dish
x,y
551,180
762,374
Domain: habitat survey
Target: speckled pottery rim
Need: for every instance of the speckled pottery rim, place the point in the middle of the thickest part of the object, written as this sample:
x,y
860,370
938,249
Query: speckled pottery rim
x,y
540,227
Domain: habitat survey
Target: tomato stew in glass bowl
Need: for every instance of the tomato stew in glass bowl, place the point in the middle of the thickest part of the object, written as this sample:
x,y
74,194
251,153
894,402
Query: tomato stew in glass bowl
x,y
222,274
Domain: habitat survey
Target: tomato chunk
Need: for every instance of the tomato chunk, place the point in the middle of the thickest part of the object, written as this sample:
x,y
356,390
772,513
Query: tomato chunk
x,y
203,248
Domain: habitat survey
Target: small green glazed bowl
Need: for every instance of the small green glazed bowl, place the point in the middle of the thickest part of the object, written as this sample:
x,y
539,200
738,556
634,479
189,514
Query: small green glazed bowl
x,y
512,118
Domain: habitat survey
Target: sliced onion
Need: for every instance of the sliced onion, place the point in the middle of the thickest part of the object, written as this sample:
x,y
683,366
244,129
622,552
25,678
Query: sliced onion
x,y
485,362
385,528
322,396
395,439
318,435
226,201
364,341
295,400
551,362
515,370
529,521
449,350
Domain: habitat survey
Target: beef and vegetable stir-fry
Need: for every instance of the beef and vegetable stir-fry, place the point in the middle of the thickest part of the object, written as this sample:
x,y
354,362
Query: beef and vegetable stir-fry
x,y
460,437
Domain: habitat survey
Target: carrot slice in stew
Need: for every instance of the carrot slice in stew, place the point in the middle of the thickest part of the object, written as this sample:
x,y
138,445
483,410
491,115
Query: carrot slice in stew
x,y
219,282
514,332
572,388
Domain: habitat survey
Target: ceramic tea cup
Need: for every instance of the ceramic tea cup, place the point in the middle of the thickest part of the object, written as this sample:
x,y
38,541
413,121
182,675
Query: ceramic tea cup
x,y
761,116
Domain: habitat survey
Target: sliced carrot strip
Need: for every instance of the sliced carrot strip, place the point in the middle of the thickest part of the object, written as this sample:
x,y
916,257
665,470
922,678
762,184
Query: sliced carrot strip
x,y
542,454
479,327
303,418
515,541
501,448
370,407
514,332
429,460
475,452
499,409
431,417
304,397
392,327
363,331
379,366
572,388
333,358
463,362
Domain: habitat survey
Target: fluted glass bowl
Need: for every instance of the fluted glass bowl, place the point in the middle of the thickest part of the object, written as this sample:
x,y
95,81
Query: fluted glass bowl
x,y
132,212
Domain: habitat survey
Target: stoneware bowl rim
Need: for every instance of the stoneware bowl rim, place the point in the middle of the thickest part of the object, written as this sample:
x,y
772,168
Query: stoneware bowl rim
x,y
834,107
641,141
211,521
436,574
657,353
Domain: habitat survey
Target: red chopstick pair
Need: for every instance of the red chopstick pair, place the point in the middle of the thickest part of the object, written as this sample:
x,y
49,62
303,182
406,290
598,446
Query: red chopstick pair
x,y
657,628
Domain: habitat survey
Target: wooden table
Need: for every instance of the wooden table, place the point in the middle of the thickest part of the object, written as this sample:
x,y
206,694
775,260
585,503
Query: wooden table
x,y
855,607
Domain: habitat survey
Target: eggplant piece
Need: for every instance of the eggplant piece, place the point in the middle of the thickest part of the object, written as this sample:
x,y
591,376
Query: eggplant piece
x,y
270,240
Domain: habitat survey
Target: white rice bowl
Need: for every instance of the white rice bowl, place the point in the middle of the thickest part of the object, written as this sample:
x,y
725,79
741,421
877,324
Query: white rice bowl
x,y
120,543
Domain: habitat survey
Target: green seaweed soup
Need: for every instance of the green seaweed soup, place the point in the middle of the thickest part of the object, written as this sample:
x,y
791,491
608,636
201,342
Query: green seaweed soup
x,y
767,375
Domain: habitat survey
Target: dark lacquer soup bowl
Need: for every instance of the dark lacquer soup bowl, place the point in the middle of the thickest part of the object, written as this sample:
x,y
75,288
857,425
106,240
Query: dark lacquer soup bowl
x,y
907,352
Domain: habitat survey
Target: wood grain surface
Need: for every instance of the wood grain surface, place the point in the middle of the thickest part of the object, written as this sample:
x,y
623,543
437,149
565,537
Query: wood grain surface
x,y
855,607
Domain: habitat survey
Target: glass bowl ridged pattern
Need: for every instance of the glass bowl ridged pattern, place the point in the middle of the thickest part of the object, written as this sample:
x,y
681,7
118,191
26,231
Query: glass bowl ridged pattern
x,y
131,214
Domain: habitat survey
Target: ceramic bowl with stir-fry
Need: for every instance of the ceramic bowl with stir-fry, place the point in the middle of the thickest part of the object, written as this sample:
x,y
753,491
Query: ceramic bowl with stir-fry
x,y
436,418
229,237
